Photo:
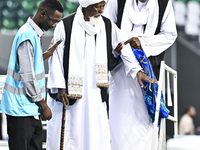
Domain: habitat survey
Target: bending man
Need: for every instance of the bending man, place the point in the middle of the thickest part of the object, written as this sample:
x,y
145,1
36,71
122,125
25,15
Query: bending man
x,y
152,25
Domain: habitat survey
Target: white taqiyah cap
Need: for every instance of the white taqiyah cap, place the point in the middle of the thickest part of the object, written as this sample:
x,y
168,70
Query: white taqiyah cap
x,y
86,3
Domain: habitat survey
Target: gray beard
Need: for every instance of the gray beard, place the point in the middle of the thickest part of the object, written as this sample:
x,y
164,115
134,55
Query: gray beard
x,y
96,21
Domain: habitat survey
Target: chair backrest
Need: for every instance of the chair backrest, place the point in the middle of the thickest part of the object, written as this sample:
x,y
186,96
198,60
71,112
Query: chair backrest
x,y
159,142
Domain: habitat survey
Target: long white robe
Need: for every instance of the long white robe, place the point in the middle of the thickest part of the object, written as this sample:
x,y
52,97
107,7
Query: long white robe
x,y
86,126
130,125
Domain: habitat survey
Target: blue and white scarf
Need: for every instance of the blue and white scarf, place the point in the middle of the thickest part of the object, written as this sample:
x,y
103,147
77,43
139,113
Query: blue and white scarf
x,y
150,89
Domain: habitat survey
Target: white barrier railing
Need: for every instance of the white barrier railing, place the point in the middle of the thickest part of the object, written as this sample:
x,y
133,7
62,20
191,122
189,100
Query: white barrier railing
x,y
160,143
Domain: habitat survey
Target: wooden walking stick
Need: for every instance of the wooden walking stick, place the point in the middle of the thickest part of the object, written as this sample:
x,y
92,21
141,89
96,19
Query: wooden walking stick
x,y
63,128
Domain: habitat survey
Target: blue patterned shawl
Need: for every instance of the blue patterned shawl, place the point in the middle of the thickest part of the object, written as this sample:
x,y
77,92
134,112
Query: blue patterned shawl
x,y
150,89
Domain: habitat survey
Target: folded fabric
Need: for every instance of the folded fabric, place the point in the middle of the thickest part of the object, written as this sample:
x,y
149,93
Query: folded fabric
x,y
150,89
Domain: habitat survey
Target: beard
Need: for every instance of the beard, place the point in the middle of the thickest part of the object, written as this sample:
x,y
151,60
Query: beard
x,y
96,20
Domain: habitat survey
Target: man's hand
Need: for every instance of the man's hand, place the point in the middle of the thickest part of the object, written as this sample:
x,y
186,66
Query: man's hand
x,y
46,113
142,77
51,49
134,42
118,48
62,97
53,46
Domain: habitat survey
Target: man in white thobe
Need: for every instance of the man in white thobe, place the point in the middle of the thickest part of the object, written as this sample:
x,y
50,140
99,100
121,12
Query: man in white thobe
x,y
78,72
152,25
